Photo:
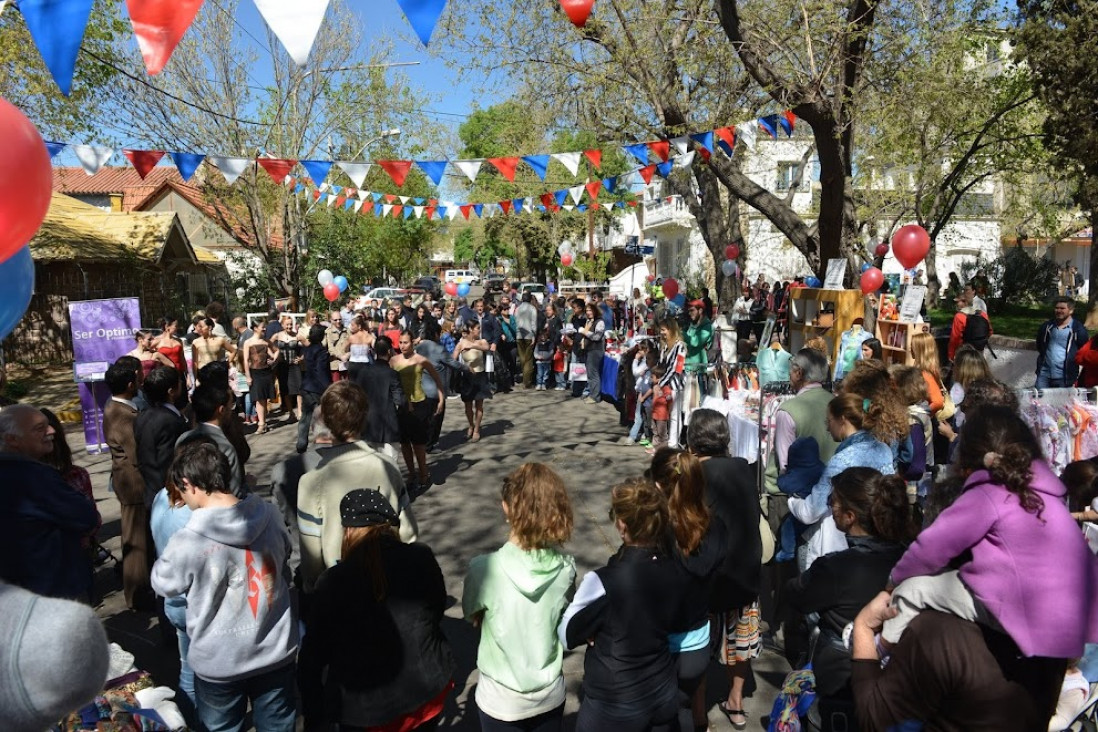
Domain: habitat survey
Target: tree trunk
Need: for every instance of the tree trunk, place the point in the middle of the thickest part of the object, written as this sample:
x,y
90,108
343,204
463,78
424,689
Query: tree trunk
x,y
1092,291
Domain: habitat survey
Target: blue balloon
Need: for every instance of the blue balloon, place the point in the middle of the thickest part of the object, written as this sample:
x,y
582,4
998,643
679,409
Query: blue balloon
x,y
463,289
866,266
813,281
340,282
551,288
679,299
17,274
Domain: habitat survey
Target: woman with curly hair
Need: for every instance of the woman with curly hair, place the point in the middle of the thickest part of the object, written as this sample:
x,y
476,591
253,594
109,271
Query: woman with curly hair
x,y
700,542
885,411
625,612
850,421
1025,568
516,595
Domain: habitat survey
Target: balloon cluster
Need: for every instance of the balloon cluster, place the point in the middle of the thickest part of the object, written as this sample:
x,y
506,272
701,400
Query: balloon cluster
x,y
333,284
729,266
567,257
453,289
26,184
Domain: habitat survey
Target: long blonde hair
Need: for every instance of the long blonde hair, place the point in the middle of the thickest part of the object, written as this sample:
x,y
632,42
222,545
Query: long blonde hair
x,y
674,334
924,352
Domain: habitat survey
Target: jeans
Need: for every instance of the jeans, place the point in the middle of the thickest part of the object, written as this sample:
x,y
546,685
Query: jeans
x,y
186,677
223,705
310,400
594,374
526,361
638,421
1044,381
543,372
551,721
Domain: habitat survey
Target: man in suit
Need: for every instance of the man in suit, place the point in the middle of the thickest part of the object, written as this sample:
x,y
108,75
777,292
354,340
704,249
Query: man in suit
x,y
209,403
384,396
158,428
119,418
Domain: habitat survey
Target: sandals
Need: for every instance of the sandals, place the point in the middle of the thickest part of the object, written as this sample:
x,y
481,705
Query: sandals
x,y
475,437
729,712
262,429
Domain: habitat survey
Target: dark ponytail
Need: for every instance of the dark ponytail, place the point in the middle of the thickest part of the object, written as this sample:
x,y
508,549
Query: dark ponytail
x,y
878,502
996,439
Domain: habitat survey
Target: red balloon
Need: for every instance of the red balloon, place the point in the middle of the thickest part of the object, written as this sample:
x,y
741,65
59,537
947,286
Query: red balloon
x,y
670,288
26,180
451,289
910,245
331,291
650,278
881,250
872,279
731,251
566,259
578,11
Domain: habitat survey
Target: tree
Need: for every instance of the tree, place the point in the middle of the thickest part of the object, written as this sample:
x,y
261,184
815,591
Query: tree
x,y
207,101
26,83
1052,40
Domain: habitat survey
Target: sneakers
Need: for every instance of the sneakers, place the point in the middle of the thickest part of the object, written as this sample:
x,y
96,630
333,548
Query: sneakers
x,y
627,441
562,388
650,451
643,442
590,400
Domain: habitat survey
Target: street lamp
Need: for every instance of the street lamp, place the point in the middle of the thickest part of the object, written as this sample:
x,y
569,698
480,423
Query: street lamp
x,y
394,132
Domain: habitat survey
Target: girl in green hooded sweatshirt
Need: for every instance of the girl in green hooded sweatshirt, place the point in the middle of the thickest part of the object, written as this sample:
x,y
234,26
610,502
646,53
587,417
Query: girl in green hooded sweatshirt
x,y
516,596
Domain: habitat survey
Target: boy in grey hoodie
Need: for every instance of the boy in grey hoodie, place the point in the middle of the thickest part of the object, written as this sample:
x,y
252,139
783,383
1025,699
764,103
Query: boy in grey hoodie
x,y
230,561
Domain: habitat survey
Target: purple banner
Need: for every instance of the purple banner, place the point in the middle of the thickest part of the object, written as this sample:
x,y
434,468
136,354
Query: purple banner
x,y
102,330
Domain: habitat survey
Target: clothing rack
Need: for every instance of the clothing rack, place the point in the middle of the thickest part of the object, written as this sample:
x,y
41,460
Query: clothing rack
x,y
1063,420
772,397
1057,397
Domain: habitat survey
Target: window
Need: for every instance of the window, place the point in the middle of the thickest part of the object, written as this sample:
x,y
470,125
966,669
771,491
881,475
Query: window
x,y
788,173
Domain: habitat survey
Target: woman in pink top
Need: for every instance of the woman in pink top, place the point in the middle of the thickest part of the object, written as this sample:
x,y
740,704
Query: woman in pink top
x,y
1030,572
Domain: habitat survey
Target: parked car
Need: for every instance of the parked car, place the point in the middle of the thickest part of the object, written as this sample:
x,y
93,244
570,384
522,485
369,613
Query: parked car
x,y
385,293
534,288
462,277
494,282
431,284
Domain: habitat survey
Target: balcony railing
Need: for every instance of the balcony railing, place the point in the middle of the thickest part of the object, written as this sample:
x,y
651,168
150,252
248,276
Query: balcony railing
x,y
670,209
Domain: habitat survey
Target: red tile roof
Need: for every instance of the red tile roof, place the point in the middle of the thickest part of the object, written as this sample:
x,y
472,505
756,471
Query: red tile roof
x,y
216,211
123,180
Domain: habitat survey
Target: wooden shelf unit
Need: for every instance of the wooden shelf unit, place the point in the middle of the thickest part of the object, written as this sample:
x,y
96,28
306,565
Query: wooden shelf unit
x,y
895,338
806,303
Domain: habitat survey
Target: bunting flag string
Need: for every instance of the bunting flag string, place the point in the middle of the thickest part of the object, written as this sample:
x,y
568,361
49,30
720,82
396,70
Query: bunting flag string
x,y
92,158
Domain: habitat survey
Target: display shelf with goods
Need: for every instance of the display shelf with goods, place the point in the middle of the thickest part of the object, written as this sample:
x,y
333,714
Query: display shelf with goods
x,y
894,335
817,312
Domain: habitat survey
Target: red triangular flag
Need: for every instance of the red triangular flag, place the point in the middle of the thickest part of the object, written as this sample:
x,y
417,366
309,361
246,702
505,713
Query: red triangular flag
x,y
277,168
791,118
397,169
728,134
705,154
159,25
340,200
647,172
143,160
506,166
547,199
662,148
595,156
389,198
593,189
430,211
397,211
316,195
465,210
632,203
506,206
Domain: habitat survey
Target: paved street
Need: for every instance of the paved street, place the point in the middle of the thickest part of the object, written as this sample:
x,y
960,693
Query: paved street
x,y
460,518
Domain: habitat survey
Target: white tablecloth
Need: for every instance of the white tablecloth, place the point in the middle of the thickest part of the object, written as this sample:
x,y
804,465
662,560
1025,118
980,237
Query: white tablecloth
x,y
743,432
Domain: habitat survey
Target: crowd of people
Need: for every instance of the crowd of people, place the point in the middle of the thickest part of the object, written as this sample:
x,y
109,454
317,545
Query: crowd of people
x,y
935,571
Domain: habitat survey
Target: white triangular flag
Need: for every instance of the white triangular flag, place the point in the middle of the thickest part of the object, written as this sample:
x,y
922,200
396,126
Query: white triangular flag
x,y
323,187
404,199
685,160
330,200
681,144
418,211
92,158
362,195
386,209
231,168
606,206
357,206
570,160
576,192
355,171
453,212
295,22
569,207
747,134
469,167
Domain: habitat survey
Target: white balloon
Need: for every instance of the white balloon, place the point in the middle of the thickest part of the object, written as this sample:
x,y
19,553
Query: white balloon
x,y
729,268
240,292
565,247
324,277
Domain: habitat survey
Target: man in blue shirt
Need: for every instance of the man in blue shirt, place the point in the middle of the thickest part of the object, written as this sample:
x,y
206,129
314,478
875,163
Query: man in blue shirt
x,y
606,310
1058,340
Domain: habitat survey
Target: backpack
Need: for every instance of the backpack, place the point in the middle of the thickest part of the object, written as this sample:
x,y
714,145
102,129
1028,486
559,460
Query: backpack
x,y
977,331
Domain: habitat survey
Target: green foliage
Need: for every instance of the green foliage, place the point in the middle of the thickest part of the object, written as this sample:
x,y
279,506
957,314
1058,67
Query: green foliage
x,y
592,270
1016,277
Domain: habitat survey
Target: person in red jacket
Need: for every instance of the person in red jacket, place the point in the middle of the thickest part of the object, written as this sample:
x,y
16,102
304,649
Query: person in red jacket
x,y
1087,358
957,332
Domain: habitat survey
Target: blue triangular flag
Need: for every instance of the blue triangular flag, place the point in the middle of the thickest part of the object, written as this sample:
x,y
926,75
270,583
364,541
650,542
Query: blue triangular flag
x,y
348,203
317,169
582,207
639,151
187,163
433,169
376,197
441,211
664,169
723,145
408,212
57,27
786,124
610,184
619,204
419,201
561,196
541,208
378,209
770,124
478,208
705,139
334,189
54,148
517,203
539,163
299,188
422,15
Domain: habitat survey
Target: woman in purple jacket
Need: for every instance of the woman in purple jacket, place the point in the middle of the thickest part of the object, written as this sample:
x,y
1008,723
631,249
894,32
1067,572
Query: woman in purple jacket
x,y
1030,573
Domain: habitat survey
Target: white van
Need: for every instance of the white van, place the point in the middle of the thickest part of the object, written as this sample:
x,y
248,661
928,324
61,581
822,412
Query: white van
x,y
462,277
